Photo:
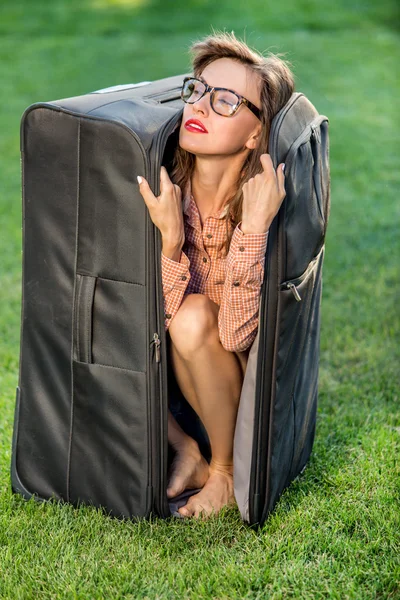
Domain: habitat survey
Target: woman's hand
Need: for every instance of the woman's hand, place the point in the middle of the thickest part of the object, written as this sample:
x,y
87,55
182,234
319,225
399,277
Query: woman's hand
x,y
262,196
166,209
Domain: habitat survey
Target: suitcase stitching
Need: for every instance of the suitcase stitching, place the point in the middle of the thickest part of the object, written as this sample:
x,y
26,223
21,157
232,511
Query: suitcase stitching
x,y
74,324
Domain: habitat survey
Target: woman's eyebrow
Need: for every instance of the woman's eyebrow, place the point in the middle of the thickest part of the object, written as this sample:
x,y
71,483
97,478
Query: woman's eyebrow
x,y
204,81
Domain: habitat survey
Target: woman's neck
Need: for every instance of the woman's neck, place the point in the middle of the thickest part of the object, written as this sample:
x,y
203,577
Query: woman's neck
x,y
214,181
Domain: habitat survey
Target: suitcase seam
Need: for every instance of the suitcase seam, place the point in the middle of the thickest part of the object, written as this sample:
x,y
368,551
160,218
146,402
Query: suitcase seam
x,y
73,317
96,364
111,279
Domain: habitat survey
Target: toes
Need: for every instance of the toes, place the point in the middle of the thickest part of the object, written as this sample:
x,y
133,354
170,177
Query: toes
x,y
185,511
202,513
189,509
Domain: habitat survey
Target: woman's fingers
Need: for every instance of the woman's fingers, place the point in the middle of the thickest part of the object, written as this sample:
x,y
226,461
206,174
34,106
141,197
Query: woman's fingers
x,y
281,179
269,170
165,185
267,165
165,182
145,190
166,188
178,191
164,209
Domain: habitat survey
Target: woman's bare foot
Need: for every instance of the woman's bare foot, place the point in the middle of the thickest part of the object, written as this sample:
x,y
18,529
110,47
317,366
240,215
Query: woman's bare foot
x,y
216,493
189,469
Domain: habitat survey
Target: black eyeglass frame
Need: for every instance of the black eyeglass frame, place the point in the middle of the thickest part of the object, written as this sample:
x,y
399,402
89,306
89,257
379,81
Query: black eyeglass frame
x,y
242,100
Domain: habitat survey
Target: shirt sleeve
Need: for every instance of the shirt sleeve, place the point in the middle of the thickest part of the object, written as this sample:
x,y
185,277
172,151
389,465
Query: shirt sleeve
x,y
239,309
175,279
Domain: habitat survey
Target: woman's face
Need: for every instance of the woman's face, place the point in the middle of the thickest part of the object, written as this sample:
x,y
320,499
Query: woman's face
x,y
226,135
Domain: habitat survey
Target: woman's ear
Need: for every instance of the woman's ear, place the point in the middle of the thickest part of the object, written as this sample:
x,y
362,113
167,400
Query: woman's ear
x,y
253,139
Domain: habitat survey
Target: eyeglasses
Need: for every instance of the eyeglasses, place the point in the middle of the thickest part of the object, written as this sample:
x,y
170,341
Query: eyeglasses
x,y
223,101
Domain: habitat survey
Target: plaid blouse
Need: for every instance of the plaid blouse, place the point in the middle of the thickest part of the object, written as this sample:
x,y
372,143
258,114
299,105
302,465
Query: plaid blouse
x,y
233,281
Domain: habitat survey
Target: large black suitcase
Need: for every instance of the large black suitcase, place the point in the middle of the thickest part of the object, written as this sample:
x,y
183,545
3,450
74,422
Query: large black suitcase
x,y
95,380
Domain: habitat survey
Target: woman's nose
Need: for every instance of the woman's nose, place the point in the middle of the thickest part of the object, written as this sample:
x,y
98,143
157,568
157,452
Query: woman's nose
x,y
202,105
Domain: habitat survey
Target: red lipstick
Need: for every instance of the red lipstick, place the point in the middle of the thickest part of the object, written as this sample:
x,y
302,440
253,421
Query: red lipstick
x,y
195,126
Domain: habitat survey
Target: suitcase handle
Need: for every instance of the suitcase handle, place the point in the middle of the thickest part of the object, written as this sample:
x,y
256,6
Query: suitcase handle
x,y
84,295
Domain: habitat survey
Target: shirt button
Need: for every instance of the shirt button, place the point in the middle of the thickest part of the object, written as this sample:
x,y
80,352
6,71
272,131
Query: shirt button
x,y
209,235
241,248
236,283
204,259
168,316
183,277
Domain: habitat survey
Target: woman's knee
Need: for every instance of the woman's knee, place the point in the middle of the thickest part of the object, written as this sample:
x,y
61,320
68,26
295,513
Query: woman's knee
x,y
195,322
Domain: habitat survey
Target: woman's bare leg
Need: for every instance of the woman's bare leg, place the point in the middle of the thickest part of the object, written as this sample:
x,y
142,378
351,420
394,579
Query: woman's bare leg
x,y
210,378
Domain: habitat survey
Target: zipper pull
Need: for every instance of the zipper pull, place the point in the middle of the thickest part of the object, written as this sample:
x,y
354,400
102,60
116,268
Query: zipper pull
x,y
157,342
296,294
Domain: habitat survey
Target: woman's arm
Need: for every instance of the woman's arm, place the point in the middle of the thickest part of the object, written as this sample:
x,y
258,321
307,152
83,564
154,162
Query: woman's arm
x,y
175,278
238,313
166,213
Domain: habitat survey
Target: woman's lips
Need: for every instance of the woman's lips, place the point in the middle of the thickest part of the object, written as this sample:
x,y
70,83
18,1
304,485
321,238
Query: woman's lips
x,y
190,127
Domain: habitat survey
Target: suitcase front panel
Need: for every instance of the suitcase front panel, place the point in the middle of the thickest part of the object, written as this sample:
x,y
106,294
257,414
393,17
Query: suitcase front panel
x,y
296,379
109,443
112,213
50,184
84,348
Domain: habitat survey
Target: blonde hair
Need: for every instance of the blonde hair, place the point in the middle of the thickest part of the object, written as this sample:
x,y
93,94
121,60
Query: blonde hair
x,y
277,86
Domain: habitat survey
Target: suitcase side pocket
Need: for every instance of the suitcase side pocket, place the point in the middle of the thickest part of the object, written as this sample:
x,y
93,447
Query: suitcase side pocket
x,y
295,299
83,320
109,444
109,323
297,368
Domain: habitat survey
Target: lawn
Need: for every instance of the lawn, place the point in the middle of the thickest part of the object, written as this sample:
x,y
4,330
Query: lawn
x,y
335,531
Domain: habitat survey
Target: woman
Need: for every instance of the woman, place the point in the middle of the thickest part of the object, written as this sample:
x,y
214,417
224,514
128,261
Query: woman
x,y
213,247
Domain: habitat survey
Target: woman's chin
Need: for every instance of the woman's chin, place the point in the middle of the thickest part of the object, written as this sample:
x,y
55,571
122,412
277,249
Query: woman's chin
x,y
191,147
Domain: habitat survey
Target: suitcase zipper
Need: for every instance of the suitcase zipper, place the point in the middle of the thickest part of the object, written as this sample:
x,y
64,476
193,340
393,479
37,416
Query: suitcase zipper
x,y
291,286
258,495
166,95
163,134
293,283
160,497
277,124
258,462
258,498
157,343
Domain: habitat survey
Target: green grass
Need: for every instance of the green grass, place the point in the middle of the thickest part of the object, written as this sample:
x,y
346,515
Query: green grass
x,y
335,531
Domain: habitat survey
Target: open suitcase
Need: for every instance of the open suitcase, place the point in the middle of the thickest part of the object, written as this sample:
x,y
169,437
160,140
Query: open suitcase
x,y
95,380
